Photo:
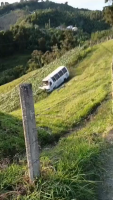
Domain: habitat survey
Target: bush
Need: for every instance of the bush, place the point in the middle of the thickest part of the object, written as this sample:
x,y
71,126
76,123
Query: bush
x,y
11,74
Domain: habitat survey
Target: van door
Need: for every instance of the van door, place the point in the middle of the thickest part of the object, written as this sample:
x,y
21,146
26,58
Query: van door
x,y
53,82
65,73
61,77
57,77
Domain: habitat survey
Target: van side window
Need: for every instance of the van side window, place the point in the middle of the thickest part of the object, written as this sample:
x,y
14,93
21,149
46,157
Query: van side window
x,y
64,70
60,73
57,76
53,78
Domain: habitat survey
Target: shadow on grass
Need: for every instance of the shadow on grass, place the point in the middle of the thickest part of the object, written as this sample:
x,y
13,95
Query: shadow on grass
x,y
11,136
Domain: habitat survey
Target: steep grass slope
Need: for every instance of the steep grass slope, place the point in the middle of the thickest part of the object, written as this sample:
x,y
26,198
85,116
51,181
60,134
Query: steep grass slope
x,y
9,94
71,169
64,109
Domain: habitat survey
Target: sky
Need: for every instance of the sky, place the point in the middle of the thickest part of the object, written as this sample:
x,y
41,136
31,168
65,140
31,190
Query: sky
x,y
90,4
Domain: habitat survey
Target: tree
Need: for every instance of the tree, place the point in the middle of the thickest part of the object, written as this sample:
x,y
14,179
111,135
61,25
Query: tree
x,y
108,12
37,58
69,41
66,3
42,44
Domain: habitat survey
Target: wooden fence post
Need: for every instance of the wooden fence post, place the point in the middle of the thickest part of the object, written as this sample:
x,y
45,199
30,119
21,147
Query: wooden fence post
x,y
30,131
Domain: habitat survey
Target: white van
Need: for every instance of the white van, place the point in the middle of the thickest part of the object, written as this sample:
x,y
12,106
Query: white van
x,y
55,79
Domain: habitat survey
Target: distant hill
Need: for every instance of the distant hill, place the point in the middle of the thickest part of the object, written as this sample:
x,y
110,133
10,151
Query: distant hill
x,y
11,18
31,6
88,21
59,13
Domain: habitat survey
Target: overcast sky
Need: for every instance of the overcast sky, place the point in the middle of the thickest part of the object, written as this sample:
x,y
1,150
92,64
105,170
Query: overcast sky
x,y
90,4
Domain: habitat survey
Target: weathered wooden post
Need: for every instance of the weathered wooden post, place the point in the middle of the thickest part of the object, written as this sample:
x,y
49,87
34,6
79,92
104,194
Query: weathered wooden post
x,y
30,131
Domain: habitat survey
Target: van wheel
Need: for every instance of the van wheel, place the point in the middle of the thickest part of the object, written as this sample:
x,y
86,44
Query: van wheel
x,y
65,79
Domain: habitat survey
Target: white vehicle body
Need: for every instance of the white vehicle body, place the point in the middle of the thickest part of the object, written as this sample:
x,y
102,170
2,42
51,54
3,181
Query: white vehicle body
x,y
55,79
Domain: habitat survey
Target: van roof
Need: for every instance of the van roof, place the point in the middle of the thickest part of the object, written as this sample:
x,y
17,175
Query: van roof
x,y
53,73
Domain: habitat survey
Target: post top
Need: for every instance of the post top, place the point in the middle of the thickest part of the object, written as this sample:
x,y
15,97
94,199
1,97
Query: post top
x,y
25,85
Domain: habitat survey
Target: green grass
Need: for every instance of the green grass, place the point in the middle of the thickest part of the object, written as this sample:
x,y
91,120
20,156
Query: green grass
x,y
62,110
9,93
68,171
67,107
71,169
11,136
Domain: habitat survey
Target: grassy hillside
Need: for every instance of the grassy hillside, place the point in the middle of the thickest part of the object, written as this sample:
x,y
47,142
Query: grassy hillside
x,y
68,171
9,95
10,91
66,107
82,109
11,18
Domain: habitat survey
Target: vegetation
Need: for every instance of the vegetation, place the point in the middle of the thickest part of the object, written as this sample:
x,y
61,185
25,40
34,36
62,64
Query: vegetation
x,y
47,49
71,169
61,100
11,18
36,35
101,36
49,46
41,12
32,6
68,171
77,115
11,96
88,21
65,108
108,13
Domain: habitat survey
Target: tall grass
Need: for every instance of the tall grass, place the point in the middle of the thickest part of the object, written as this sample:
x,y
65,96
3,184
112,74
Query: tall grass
x,y
68,171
